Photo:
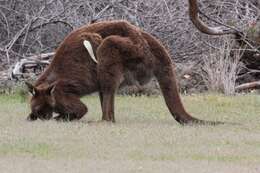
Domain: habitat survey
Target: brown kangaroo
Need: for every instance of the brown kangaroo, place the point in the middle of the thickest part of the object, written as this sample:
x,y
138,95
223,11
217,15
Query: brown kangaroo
x,y
98,58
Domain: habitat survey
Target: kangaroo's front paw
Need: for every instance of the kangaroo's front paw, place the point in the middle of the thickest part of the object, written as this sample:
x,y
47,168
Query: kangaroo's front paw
x,y
31,117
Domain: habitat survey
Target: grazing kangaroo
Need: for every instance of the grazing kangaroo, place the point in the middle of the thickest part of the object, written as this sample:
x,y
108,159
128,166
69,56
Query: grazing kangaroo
x,y
99,57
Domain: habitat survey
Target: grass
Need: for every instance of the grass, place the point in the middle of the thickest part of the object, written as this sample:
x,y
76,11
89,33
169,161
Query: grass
x,y
145,138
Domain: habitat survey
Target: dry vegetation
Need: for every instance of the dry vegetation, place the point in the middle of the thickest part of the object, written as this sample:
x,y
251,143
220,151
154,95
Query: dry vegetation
x,y
29,28
144,139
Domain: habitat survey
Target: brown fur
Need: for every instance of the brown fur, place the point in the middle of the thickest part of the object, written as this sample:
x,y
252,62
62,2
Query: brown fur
x,y
122,50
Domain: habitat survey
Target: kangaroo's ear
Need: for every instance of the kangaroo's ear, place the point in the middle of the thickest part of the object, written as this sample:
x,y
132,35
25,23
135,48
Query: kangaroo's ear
x,y
51,88
31,88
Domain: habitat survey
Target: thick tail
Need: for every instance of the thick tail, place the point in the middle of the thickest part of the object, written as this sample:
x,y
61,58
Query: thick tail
x,y
166,77
168,84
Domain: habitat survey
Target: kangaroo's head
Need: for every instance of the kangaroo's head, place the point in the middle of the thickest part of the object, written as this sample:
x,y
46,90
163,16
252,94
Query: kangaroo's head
x,y
42,101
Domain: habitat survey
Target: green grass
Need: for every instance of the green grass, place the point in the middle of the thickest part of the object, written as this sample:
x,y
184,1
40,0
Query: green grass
x,y
145,137
30,148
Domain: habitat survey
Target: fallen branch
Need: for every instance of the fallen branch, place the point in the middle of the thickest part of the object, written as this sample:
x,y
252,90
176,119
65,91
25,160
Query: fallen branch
x,y
250,85
41,56
28,63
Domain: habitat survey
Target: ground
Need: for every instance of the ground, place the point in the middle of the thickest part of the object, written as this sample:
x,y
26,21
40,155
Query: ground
x,y
144,139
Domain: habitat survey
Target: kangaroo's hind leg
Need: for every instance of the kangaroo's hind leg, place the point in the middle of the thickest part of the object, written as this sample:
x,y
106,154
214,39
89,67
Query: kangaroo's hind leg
x,y
111,69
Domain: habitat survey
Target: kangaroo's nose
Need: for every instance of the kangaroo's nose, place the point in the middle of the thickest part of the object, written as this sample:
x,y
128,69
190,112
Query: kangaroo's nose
x,y
36,109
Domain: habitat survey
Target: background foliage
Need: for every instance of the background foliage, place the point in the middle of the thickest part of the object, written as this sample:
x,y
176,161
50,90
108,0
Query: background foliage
x,y
29,27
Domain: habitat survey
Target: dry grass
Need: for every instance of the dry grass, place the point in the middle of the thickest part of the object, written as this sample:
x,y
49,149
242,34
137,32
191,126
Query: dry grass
x,y
222,66
144,139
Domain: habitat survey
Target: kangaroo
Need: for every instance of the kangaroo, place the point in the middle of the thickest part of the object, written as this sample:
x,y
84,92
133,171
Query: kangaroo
x,y
99,57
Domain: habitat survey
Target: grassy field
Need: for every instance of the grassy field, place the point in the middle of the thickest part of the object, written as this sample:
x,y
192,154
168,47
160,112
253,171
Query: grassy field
x,y
145,138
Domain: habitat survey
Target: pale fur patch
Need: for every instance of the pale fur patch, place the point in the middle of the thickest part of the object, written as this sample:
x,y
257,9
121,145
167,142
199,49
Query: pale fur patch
x,y
88,46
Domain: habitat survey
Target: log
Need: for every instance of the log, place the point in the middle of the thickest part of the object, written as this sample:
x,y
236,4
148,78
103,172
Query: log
x,y
250,85
29,62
